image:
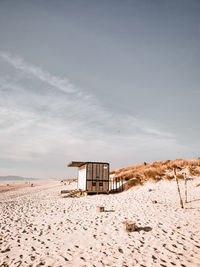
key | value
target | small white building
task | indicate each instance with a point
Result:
(92, 176)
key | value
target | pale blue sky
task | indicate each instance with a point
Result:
(114, 81)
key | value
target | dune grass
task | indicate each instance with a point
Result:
(156, 171)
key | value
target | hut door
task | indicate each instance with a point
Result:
(101, 183)
(95, 177)
(98, 177)
(90, 182)
(92, 177)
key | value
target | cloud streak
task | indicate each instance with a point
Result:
(77, 107)
(61, 84)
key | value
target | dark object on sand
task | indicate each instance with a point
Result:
(100, 208)
(130, 226)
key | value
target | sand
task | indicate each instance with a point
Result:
(40, 228)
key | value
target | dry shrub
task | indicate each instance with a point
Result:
(195, 162)
(169, 168)
(169, 177)
(178, 163)
(153, 173)
(150, 173)
(174, 166)
(193, 171)
(131, 183)
(166, 162)
(139, 177)
(180, 176)
(127, 175)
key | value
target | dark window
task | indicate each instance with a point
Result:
(100, 184)
(93, 184)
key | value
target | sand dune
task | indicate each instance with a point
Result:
(39, 228)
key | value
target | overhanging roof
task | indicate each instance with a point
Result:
(80, 163)
(76, 163)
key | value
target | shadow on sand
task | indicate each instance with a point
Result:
(146, 229)
(193, 200)
(109, 210)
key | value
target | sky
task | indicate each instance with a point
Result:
(112, 81)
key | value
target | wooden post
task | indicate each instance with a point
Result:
(185, 178)
(178, 188)
(100, 209)
(130, 226)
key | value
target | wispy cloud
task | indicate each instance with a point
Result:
(79, 107)
(62, 84)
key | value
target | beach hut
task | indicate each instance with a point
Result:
(93, 177)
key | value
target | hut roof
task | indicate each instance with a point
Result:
(80, 163)
(76, 163)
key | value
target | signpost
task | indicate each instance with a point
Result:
(178, 188)
(185, 178)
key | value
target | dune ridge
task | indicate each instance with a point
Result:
(156, 171)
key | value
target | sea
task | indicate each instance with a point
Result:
(17, 180)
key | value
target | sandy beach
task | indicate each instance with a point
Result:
(40, 228)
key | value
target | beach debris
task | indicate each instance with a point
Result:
(31, 185)
(100, 208)
(197, 185)
(154, 201)
(120, 250)
(130, 226)
(32, 257)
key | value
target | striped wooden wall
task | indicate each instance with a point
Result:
(97, 177)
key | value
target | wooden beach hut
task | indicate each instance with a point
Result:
(93, 177)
